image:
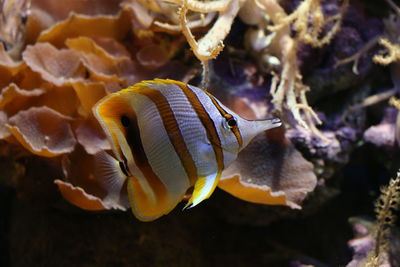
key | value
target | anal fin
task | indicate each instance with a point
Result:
(143, 206)
(203, 189)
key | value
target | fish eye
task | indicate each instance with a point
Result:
(231, 122)
(125, 121)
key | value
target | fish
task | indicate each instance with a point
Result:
(168, 137)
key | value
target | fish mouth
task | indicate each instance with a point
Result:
(276, 122)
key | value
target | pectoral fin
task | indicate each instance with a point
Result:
(111, 177)
(203, 189)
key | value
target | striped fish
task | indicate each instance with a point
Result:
(167, 137)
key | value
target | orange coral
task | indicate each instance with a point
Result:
(8, 68)
(92, 26)
(67, 66)
(80, 186)
(13, 99)
(269, 170)
(59, 67)
(43, 131)
(79, 197)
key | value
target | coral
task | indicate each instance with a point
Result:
(310, 22)
(285, 179)
(389, 40)
(70, 60)
(46, 98)
(13, 16)
(376, 244)
(393, 53)
(287, 88)
(385, 208)
(50, 135)
(383, 134)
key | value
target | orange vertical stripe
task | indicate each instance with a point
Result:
(133, 137)
(234, 129)
(208, 124)
(172, 128)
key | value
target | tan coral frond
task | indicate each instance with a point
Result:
(4, 132)
(77, 196)
(310, 31)
(13, 99)
(88, 94)
(152, 56)
(116, 27)
(58, 67)
(99, 63)
(81, 187)
(393, 53)
(9, 69)
(43, 131)
(91, 136)
(142, 16)
(284, 179)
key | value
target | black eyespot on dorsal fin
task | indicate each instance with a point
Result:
(125, 121)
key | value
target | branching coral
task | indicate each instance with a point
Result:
(385, 207)
(202, 14)
(393, 53)
(287, 89)
(209, 46)
(376, 243)
(389, 40)
(310, 23)
(312, 26)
